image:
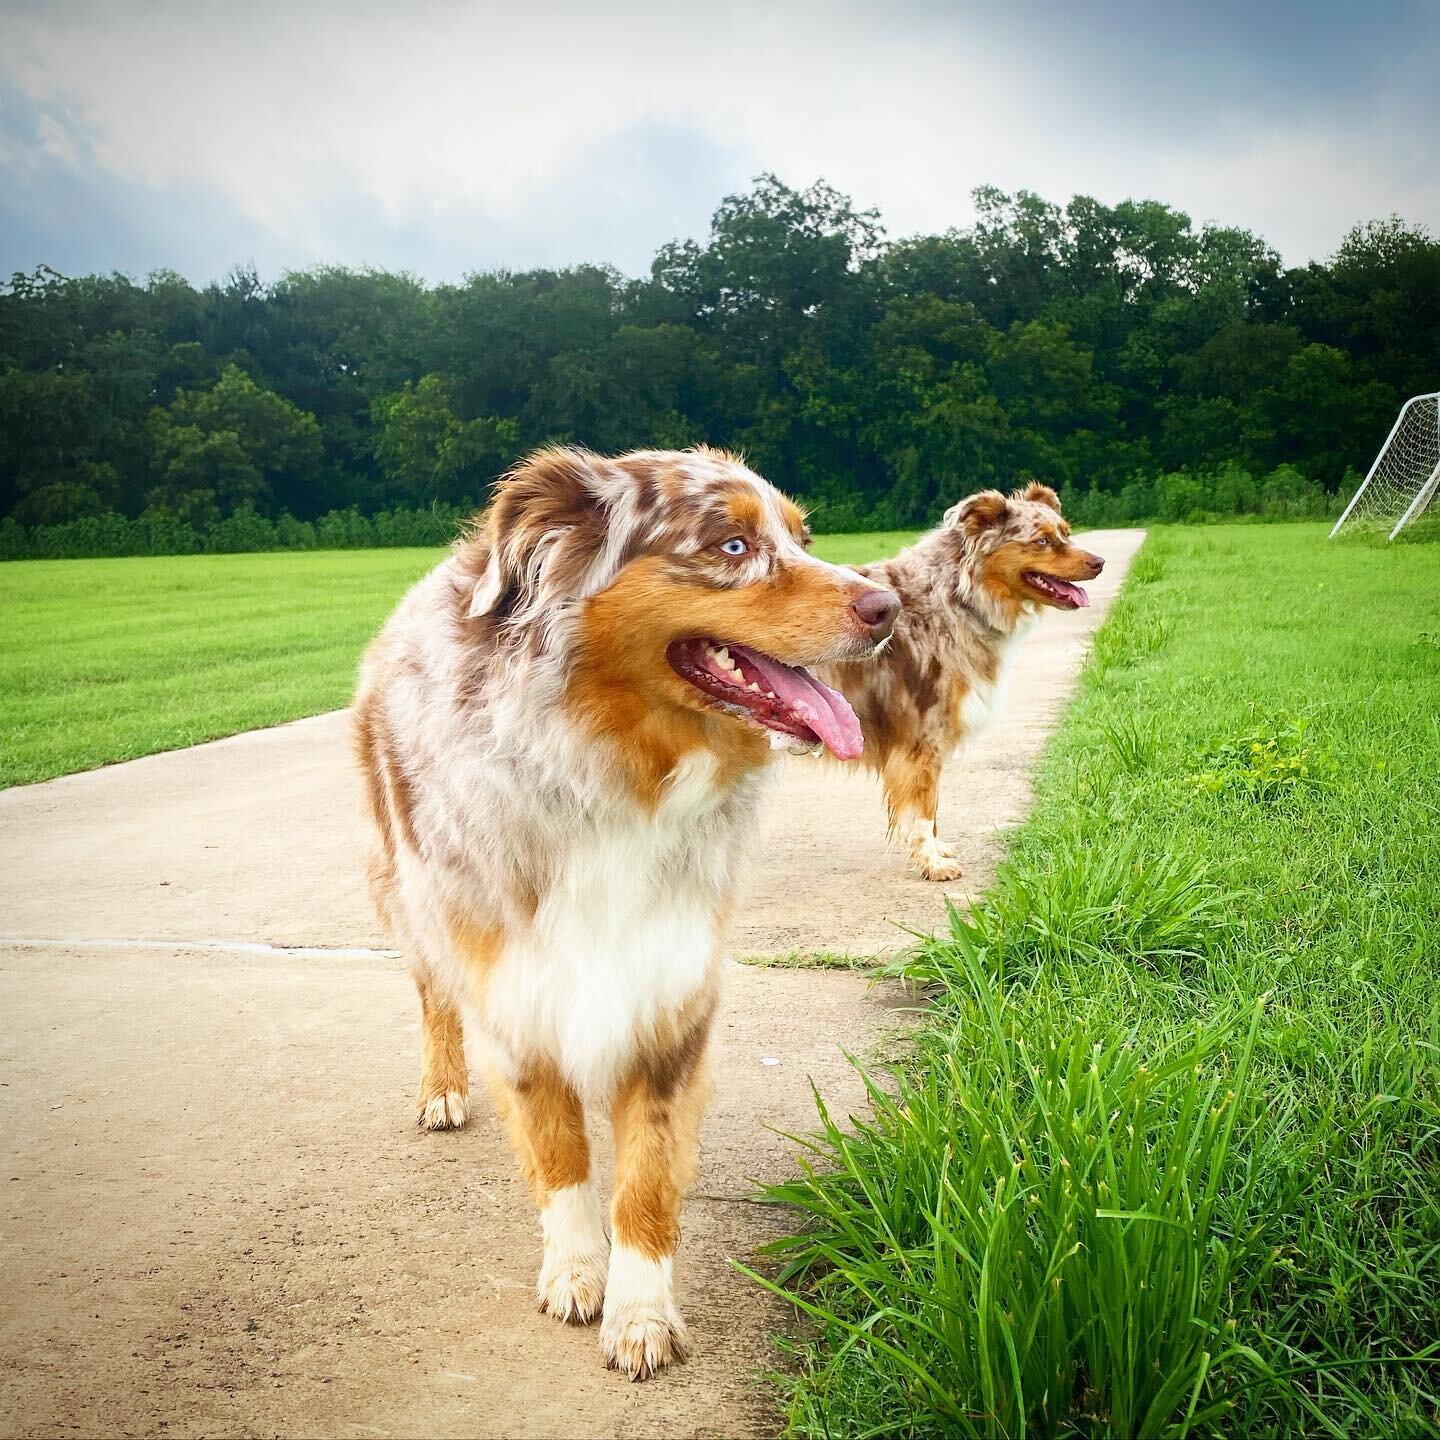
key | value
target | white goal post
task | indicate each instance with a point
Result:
(1406, 472)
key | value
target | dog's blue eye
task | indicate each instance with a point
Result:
(735, 546)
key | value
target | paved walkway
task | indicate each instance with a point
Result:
(220, 1218)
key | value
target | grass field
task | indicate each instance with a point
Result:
(104, 660)
(1165, 1161)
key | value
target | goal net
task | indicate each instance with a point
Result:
(1406, 472)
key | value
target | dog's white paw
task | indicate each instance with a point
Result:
(941, 870)
(642, 1331)
(936, 861)
(577, 1255)
(572, 1285)
(639, 1340)
(443, 1112)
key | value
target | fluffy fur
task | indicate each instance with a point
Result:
(561, 815)
(969, 590)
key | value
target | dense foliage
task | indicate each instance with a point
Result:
(1096, 347)
(244, 530)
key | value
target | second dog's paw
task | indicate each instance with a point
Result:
(443, 1112)
(935, 861)
(639, 1340)
(572, 1285)
(941, 870)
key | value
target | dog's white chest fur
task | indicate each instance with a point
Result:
(624, 935)
(984, 702)
(982, 705)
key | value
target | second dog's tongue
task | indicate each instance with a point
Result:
(824, 710)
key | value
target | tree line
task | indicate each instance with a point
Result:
(1111, 350)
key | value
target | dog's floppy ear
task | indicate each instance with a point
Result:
(489, 588)
(541, 535)
(978, 512)
(1040, 494)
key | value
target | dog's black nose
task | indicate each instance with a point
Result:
(877, 610)
(1096, 564)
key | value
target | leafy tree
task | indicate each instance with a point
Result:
(1115, 349)
(51, 435)
(234, 444)
(429, 453)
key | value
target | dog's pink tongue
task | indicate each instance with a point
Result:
(1074, 592)
(824, 710)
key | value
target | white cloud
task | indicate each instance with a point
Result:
(56, 141)
(439, 115)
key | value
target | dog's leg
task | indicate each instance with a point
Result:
(657, 1125)
(444, 1079)
(546, 1124)
(912, 798)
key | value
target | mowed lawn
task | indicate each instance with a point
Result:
(105, 660)
(1166, 1161)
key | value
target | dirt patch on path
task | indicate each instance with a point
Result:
(219, 1219)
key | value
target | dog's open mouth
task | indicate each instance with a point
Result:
(1065, 593)
(786, 698)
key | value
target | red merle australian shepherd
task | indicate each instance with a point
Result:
(564, 731)
(970, 589)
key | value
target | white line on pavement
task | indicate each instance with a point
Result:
(235, 947)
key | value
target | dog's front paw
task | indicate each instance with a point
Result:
(572, 1285)
(642, 1331)
(443, 1112)
(641, 1340)
(936, 861)
(577, 1255)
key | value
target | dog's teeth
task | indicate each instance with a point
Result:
(723, 656)
(754, 687)
(769, 694)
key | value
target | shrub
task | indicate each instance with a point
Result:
(245, 529)
(847, 514)
(293, 534)
(1180, 496)
(1288, 495)
(1203, 496)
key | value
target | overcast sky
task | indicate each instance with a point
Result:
(443, 136)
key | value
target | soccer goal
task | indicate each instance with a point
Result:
(1406, 472)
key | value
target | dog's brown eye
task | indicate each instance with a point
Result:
(735, 546)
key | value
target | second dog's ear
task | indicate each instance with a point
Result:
(1039, 494)
(978, 512)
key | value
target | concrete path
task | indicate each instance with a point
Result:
(219, 1217)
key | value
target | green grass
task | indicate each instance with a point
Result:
(1165, 1160)
(812, 960)
(104, 660)
(860, 548)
